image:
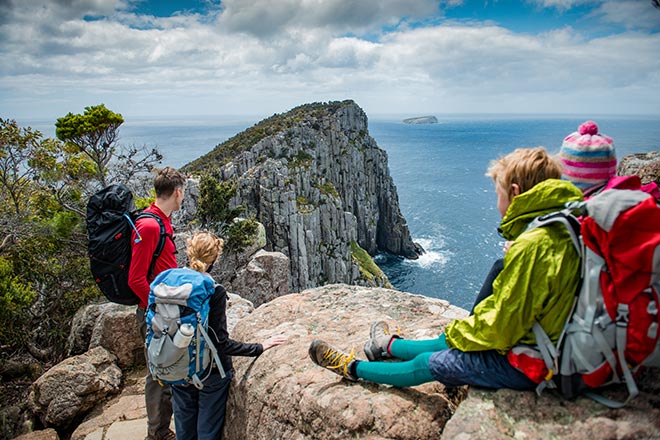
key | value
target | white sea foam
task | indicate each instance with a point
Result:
(434, 255)
(431, 258)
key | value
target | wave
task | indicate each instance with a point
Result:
(435, 256)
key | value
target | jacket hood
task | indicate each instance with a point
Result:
(545, 197)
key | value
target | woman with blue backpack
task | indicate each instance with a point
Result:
(199, 413)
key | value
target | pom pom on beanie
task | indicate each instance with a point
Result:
(588, 127)
(587, 157)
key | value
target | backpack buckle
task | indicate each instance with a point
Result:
(622, 315)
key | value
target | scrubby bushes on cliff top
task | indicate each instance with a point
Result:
(43, 252)
(277, 123)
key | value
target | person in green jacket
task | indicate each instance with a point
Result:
(537, 284)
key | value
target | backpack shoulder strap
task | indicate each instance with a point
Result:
(161, 240)
(548, 350)
(564, 217)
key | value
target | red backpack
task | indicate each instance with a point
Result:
(613, 329)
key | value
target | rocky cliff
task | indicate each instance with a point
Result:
(321, 186)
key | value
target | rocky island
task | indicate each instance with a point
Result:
(421, 120)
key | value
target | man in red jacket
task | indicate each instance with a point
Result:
(170, 186)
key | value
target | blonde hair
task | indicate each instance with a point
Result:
(525, 167)
(202, 250)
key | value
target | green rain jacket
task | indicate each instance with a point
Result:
(538, 282)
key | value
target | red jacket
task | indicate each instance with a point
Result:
(144, 250)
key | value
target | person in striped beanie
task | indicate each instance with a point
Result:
(587, 158)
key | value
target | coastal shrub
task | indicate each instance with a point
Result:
(45, 184)
(278, 123)
(240, 234)
(300, 159)
(214, 208)
(329, 189)
(368, 268)
(16, 296)
(214, 211)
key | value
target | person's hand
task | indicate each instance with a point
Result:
(273, 341)
(507, 245)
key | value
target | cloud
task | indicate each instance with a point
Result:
(262, 19)
(633, 14)
(59, 62)
(563, 5)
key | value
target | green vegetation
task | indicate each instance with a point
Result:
(301, 159)
(15, 298)
(215, 212)
(277, 123)
(91, 134)
(240, 234)
(214, 209)
(303, 205)
(45, 185)
(328, 188)
(368, 268)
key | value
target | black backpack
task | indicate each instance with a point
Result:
(111, 217)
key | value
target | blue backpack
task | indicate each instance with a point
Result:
(179, 349)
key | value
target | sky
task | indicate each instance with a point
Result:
(260, 57)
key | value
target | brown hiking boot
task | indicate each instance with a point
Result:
(332, 359)
(379, 341)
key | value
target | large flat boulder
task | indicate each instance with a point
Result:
(282, 394)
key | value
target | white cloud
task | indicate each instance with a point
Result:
(633, 14)
(265, 18)
(187, 64)
(563, 5)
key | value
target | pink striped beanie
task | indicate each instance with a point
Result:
(587, 158)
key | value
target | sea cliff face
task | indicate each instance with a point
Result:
(319, 184)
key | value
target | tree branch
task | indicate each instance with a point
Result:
(6, 241)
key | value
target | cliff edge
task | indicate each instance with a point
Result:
(321, 186)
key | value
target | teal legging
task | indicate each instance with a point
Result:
(414, 370)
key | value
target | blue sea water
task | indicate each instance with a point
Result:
(439, 171)
(449, 203)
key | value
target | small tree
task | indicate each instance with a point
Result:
(214, 210)
(214, 202)
(17, 146)
(88, 158)
(92, 134)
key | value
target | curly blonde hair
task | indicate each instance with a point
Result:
(202, 250)
(525, 167)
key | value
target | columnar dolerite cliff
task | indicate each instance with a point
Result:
(319, 183)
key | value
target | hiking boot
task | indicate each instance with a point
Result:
(334, 360)
(164, 435)
(379, 342)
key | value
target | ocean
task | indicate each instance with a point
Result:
(438, 169)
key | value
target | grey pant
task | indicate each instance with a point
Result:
(158, 397)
